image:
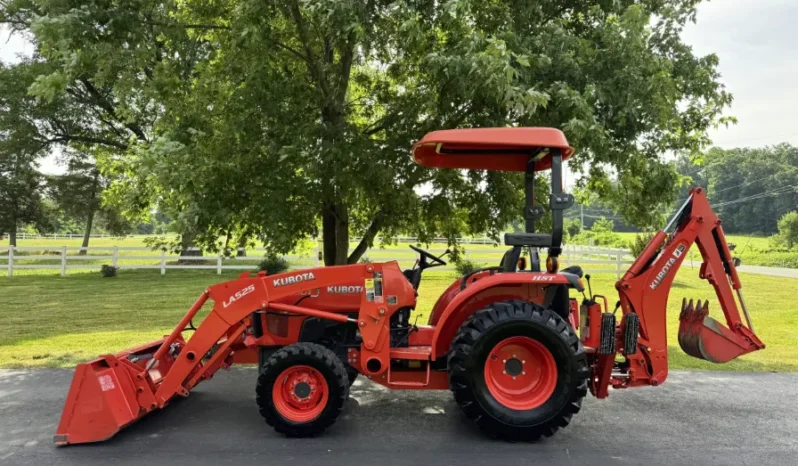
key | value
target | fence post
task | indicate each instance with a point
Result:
(163, 262)
(115, 260)
(567, 256)
(618, 266)
(316, 254)
(63, 261)
(10, 261)
(219, 264)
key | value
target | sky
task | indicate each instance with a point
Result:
(756, 42)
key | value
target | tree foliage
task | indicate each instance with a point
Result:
(749, 188)
(283, 119)
(78, 194)
(788, 229)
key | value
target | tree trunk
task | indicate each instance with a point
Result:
(93, 204)
(12, 237)
(367, 240)
(87, 233)
(241, 249)
(186, 243)
(335, 233)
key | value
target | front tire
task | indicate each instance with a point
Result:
(518, 370)
(302, 389)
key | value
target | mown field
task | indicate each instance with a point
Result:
(51, 321)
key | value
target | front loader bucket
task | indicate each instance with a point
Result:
(100, 402)
(705, 338)
(108, 394)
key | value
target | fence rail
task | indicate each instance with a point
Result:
(64, 258)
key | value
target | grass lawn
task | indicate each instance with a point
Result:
(752, 250)
(51, 321)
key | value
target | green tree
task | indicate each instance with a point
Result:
(78, 193)
(788, 229)
(20, 194)
(282, 119)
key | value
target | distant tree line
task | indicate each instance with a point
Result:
(751, 189)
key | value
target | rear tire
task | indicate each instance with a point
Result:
(351, 374)
(525, 397)
(301, 389)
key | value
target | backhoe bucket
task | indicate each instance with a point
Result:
(108, 394)
(705, 338)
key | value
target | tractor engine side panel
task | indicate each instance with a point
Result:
(282, 328)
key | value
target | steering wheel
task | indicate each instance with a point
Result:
(428, 255)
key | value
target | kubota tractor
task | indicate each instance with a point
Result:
(517, 352)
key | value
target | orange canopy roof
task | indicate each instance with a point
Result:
(503, 149)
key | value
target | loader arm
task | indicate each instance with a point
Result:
(645, 287)
(114, 391)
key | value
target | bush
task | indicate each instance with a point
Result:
(573, 227)
(273, 264)
(639, 243)
(365, 260)
(108, 270)
(466, 266)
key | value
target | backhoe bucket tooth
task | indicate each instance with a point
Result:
(705, 338)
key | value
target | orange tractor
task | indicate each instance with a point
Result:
(516, 350)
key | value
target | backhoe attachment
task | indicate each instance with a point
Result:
(645, 287)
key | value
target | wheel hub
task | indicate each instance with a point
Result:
(302, 390)
(520, 373)
(300, 393)
(513, 367)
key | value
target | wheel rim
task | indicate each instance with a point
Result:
(300, 393)
(520, 373)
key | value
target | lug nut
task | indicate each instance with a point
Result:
(504, 372)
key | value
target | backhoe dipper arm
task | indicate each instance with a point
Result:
(645, 287)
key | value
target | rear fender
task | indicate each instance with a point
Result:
(444, 300)
(500, 287)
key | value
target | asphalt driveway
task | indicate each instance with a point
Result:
(696, 418)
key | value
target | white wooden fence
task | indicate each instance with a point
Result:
(64, 258)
